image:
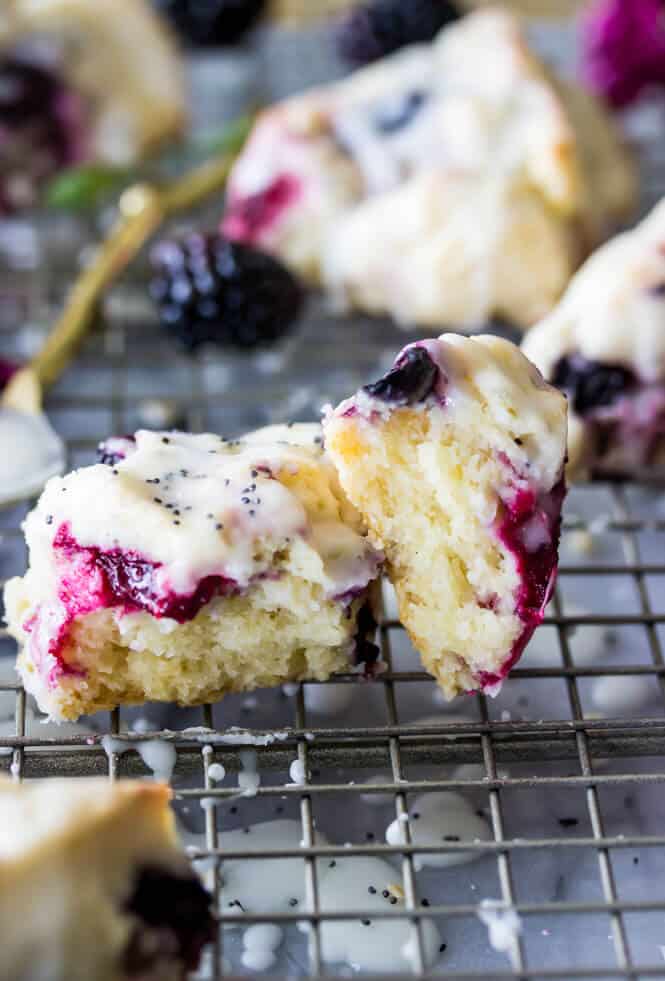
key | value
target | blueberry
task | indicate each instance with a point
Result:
(378, 27)
(410, 381)
(590, 384)
(177, 907)
(398, 113)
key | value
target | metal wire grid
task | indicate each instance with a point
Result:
(102, 391)
(399, 745)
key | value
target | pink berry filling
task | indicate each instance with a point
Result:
(530, 528)
(91, 578)
(248, 219)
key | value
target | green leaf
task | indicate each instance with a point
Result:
(229, 139)
(82, 187)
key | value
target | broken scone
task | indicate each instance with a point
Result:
(604, 346)
(442, 185)
(93, 884)
(82, 81)
(455, 461)
(188, 566)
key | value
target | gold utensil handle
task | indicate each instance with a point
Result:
(142, 210)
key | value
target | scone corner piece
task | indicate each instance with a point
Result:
(186, 567)
(93, 880)
(604, 346)
(455, 461)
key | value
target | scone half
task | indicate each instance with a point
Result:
(455, 461)
(187, 567)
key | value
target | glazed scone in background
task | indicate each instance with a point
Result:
(193, 567)
(455, 461)
(119, 55)
(80, 862)
(442, 185)
(604, 345)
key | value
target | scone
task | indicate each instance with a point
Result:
(188, 567)
(82, 80)
(93, 884)
(604, 346)
(442, 185)
(455, 461)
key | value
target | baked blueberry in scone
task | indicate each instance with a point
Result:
(455, 461)
(106, 87)
(441, 185)
(93, 884)
(604, 346)
(190, 567)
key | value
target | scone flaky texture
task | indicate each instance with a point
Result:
(71, 854)
(193, 567)
(441, 185)
(120, 56)
(604, 345)
(455, 459)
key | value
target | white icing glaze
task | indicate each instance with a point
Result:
(621, 694)
(158, 755)
(249, 778)
(380, 944)
(31, 452)
(216, 772)
(297, 772)
(264, 887)
(503, 923)
(211, 483)
(260, 943)
(440, 816)
(329, 698)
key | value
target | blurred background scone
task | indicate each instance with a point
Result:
(93, 884)
(604, 346)
(81, 81)
(442, 185)
(455, 461)
(186, 567)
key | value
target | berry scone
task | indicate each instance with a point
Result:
(455, 461)
(186, 567)
(93, 884)
(81, 81)
(604, 346)
(442, 185)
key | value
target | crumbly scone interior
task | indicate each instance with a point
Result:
(421, 487)
(284, 630)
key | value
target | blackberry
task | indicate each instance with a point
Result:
(208, 23)
(410, 381)
(377, 28)
(41, 124)
(210, 290)
(590, 384)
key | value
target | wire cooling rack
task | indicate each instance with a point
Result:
(568, 774)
